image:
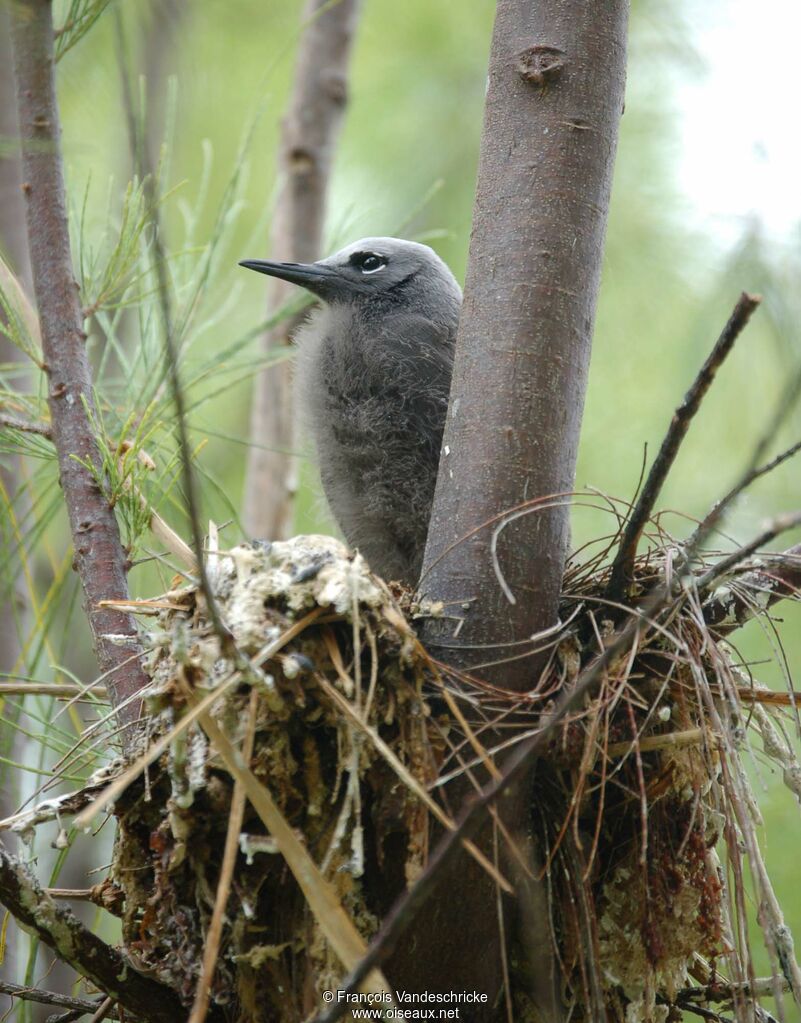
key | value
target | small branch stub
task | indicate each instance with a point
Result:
(540, 65)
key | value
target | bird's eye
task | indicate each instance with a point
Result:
(368, 262)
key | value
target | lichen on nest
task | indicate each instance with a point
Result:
(638, 792)
(325, 775)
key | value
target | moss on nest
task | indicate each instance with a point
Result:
(325, 775)
(639, 793)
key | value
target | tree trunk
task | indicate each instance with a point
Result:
(554, 101)
(99, 557)
(14, 248)
(311, 129)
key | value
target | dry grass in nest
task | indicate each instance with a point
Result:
(643, 821)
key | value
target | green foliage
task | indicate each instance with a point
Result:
(76, 21)
(18, 323)
(414, 119)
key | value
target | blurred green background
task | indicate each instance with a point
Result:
(217, 72)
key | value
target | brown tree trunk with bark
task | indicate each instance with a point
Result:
(554, 101)
(14, 249)
(99, 557)
(500, 524)
(310, 132)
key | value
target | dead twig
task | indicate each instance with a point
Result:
(414, 898)
(623, 565)
(710, 522)
(44, 997)
(81, 949)
(781, 524)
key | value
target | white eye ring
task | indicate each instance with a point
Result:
(370, 257)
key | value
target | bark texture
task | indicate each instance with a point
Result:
(554, 100)
(99, 557)
(85, 952)
(310, 132)
(14, 248)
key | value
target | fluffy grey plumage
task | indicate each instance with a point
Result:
(372, 378)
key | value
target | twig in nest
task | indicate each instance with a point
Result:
(623, 565)
(710, 522)
(214, 933)
(409, 904)
(781, 524)
(650, 743)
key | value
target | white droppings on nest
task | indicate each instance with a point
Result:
(302, 573)
(252, 583)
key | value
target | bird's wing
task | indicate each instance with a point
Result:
(424, 346)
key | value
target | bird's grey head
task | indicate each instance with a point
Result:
(382, 271)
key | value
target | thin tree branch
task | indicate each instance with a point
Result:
(408, 905)
(58, 928)
(310, 133)
(25, 426)
(99, 557)
(710, 522)
(44, 997)
(722, 568)
(731, 607)
(623, 565)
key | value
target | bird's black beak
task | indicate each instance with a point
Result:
(313, 276)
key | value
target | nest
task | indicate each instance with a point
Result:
(325, 774)
(641, 816)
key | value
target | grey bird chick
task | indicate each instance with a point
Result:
(372, 378)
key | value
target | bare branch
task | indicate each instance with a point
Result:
(730, 607)
(99, 557)
(23, 426)
(710, 522)
(44, 997)
(81, 949)
(722, 568)
(311, 130)
(623, 565)
(408, 906)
